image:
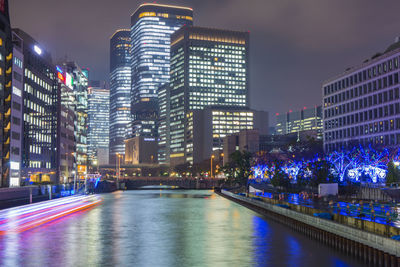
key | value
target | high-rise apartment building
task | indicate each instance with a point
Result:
(120, 91)
(6, 63)
(307, 119)
(98, 124)
(209, 67)
(362, 105)
(78, 81)
(151, 29)
(39, 112)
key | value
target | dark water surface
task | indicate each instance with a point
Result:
(166, 228)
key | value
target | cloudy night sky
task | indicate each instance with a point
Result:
(295, 45)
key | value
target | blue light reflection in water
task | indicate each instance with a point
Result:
(165, 228)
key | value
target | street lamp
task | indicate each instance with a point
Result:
(211, 171)
(119, 168)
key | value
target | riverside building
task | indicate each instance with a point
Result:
(39, 112)
(98, 124)
(209, 68)
(77, 80)
(120, 91)
(151, 29)
(362, 105)
(307, 119)
(16, 112)
(6, 64)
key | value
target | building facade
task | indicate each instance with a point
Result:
(39, 112)
(207, 128)
(209, 67)
(362, 105)
(16, 112)
(140, 150)
(98, 123)
(151, 28)
(163, 124)
(66, 123)
(306, 119)
(120, 91)
(77, 80)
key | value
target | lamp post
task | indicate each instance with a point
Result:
(211, 169)
(118, 168)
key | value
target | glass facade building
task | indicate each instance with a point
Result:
(98, 122)
(39, 112)
(151, 29)
(66, 128)
(5, 93)
(209, 67)
(307, 119)
(78, 81)
(120, 89)
(362, 105)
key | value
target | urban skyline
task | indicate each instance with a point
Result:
(277, 49)
(177, 138)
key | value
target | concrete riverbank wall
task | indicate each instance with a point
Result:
(364, 225)
(370, 248)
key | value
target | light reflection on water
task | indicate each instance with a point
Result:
(165, 228)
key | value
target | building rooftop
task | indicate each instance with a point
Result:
(391, 50)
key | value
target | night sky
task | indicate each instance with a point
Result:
(295, 45)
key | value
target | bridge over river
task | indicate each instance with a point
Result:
(184, 183)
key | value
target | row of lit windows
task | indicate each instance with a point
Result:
(365, 102)
(389, 139)
(37, 80)
(388, 110)
(216, 38)
(29, 89)
(363, 75)
(371, 128)
(362, 90)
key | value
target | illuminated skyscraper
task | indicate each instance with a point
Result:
(66, 127)
(209, 68)
(151, 28)
(39, 112)
(5, 92)
(120, 88)
(79, 83)
(98, 123)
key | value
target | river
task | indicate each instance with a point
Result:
(166, 228)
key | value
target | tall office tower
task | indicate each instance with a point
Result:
(66, 119)
(362, 105)
(5, 93)
(120, 91)
(209, 67)
(151, 28)
(98, 126)
(79, 82)
(163, 124)
(39, 112)
(307, 119)
(16, 111)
